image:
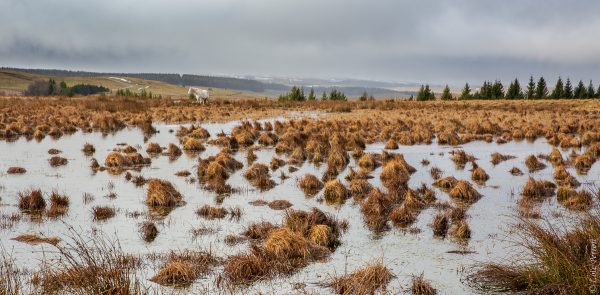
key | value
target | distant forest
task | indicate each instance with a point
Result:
(176, 79)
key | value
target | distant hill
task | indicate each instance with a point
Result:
(175, 79)
(173, 82)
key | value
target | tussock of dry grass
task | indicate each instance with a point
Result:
(479, 175)
(280, 204)
(259, 230)
(57, 161)
(498, 158)
(148, 231)
(258, 175)
(182, 269)
(310, 184)
(59, 205)
(103, 212)
(31, 201)
(557, 261)
(88, 149)
(515, 171)
(161, 193)
(574, 200)
(446, 183)
(440, 225)
(335, 192)
(154, 148)
(16, 170)
(420, 286)
(34, 239)
(464, 192)
(370, 279)
(533, 164)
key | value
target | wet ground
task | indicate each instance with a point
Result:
(406, 254)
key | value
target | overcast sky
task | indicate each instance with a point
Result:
(421, 41)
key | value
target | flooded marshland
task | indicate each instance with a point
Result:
(331, 197)
(413, 248)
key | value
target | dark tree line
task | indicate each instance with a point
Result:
(533, 90)
(51, 88)
(297, 94)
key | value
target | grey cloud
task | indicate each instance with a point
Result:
(424, 41)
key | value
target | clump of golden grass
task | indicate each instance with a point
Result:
(276, 163)
(460, 158)
(478, 174)
(128, 149)
(402, 217)
(310, 184)
(259, 230)
(258, 202)
(173, 151)
(440, 224)
(391, 145)
(258, 175)
(450, 138)
(368, 161)
(413, 201)
(57, 161)
(193, 144)
(446, 183)
(59, 204)
(460, 230)
(148, 231)
(537, 190)
(558, 261)
(251, 156)
(376, 209)
(583, 163)
(560, 173)
(211, 212)
(88, 149)
(497, 158)
(32, 201)
(162, 193)
(533, 164)
(285, 243)
(420, 286)
(182, 269)
(360, 188)
(268, 139)
(280, 204)
(515, 171)
(435, 172)
(335, 192)
(394, 174)
(16, 170)
(464, 192)
(183, 173)
(35, 239)
(574, 200)
(370, 279)
(555, 157)
(102, 212)
(154, 148)
(310, 225)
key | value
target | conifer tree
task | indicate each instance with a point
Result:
(559, 91)
(446, 95)
(541, 90)
(531, 88)
(466, 92)
(591, 92)
(580, 91)
(568, 89)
